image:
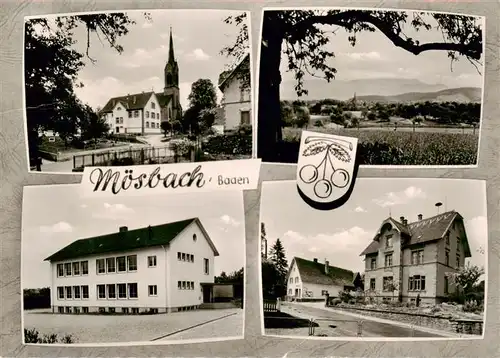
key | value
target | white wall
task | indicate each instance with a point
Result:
(148, 117)
(144, 276)
(188, 271)
(134, 124)
(233, 104)
(294, 281)
(316, 289)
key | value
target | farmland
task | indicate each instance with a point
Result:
(401, 147)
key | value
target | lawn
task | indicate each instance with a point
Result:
(384, 147)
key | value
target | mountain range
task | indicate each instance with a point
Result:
(381, 90)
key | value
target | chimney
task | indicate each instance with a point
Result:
(402, 219)
(419, 217)
(405, 222)
(315, 260)
(123, 229)
(326, 267)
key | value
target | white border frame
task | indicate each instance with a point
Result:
(269, 183)
(253, 117)
(375, 166)
(136, 343)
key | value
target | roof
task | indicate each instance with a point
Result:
(127, 240)
(163, 99)
(130, 101)
(225, 76)
(314, 272)
(426, 230)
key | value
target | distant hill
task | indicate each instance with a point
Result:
(380, 89)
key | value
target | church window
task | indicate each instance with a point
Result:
(147, 114)
(153, 105)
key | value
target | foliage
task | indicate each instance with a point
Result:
(182, 147)
(36, 298)
(33, 336)
(52, 66)
(233, 277)
(92, 125)
(278, 257)
(203, 94)
(166, 127)
(345, 296)
(467, 277)
(472, 306)
(232, 144)
(272, 286)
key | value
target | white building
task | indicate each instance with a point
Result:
(312, 280)
(154, 269)
(138, 113)
(236, 99)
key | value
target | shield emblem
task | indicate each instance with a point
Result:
(326, 169)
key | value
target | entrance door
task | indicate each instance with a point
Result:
(206, 294)
(117, 129)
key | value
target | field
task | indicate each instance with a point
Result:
(389, 147)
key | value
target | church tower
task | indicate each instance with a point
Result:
(171, 73)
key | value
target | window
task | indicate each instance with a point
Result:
(67, 269)
(372, 284)
(151, 261)
(85, 310)
(68, 309)
(179, 285)
(119, 108)
(101, 268)
(76, 291)
(85, 267)
(445, 284)
(417, 257)
(388, 260)
(206, 266)
(192, 258)
(157, 115)
(416, 283)
(153, 290)
(183, 257)
(324, 292)
(122, 290)
(373, 263)
(447, 258)
(129, 114)
(101, 291)
(121, 263)
(132, 290)
(147, 124)
(447, 239)
(68, 292)
(111, 291)
(183, 285)
(245, 118)
(60, 293)
(125, 310)
(102, 310)
(111, 310)
(388, 283)
(136, 114)
(296, 279)
(178, 256)
(76, 268)
(60, 309)
(388, 242)
(110, 264)
(117, 120)
(458, 244)
(60, 270)
(153, 105)
(147, 114)
(85, 291)
(132, 262)
(194, 237)
(290, 292)
(135, 311)
(458, 260)
(291, 280)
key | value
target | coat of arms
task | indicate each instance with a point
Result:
(326, 169)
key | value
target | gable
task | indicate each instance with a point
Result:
(227, 76)
(314, 272)
(130, 101)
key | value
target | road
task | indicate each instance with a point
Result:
(337, 324)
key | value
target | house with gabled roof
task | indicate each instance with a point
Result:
(405, 260)
(142, 113)
(236, 99)
(312, 280)
(154, 269)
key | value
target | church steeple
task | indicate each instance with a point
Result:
(171, 73)
(171, 56)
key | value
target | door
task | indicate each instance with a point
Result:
(117, 129)
(207, 294)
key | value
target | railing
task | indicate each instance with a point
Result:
(271, 306)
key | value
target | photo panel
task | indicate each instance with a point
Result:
(136, 87)
(131, 270)
(403, 259)
(408, 84)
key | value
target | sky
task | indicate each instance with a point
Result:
(340, 235)
(375, 56)
(47, 228)
(198, 36)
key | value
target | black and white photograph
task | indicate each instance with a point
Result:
(408, 84)
(132, 270)
(136, 87)
(401, 259)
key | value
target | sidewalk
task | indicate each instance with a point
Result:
(321, 305)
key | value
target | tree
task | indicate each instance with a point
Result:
(302, 116)
(277, 256)
(466, 278)
(92, 125)
(166, 127)
(270, 281)
(203, 94)
(51, 68)
(303, 36)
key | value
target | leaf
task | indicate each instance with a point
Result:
(314, 149)
(338, 152)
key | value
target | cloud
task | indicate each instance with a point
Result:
(359, 209)
(113, 211)
(477, 234)
(363, 56)
(398, 198)
(61, 226)
(147, 25)
(84, 206)
(198, 55)
(228, 220)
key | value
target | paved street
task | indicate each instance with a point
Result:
(338, 324)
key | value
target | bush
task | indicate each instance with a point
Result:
(336, 301)
(472, 306)
(233, 144)
(318, 123)
(33, 336)
(182, 147)
(345, 296)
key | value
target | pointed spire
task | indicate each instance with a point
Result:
(171, 56)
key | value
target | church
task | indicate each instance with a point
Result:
(142, 113)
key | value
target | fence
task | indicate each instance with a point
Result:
(271, 306)
(135, 156)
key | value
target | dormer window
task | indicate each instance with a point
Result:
(388, 242)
